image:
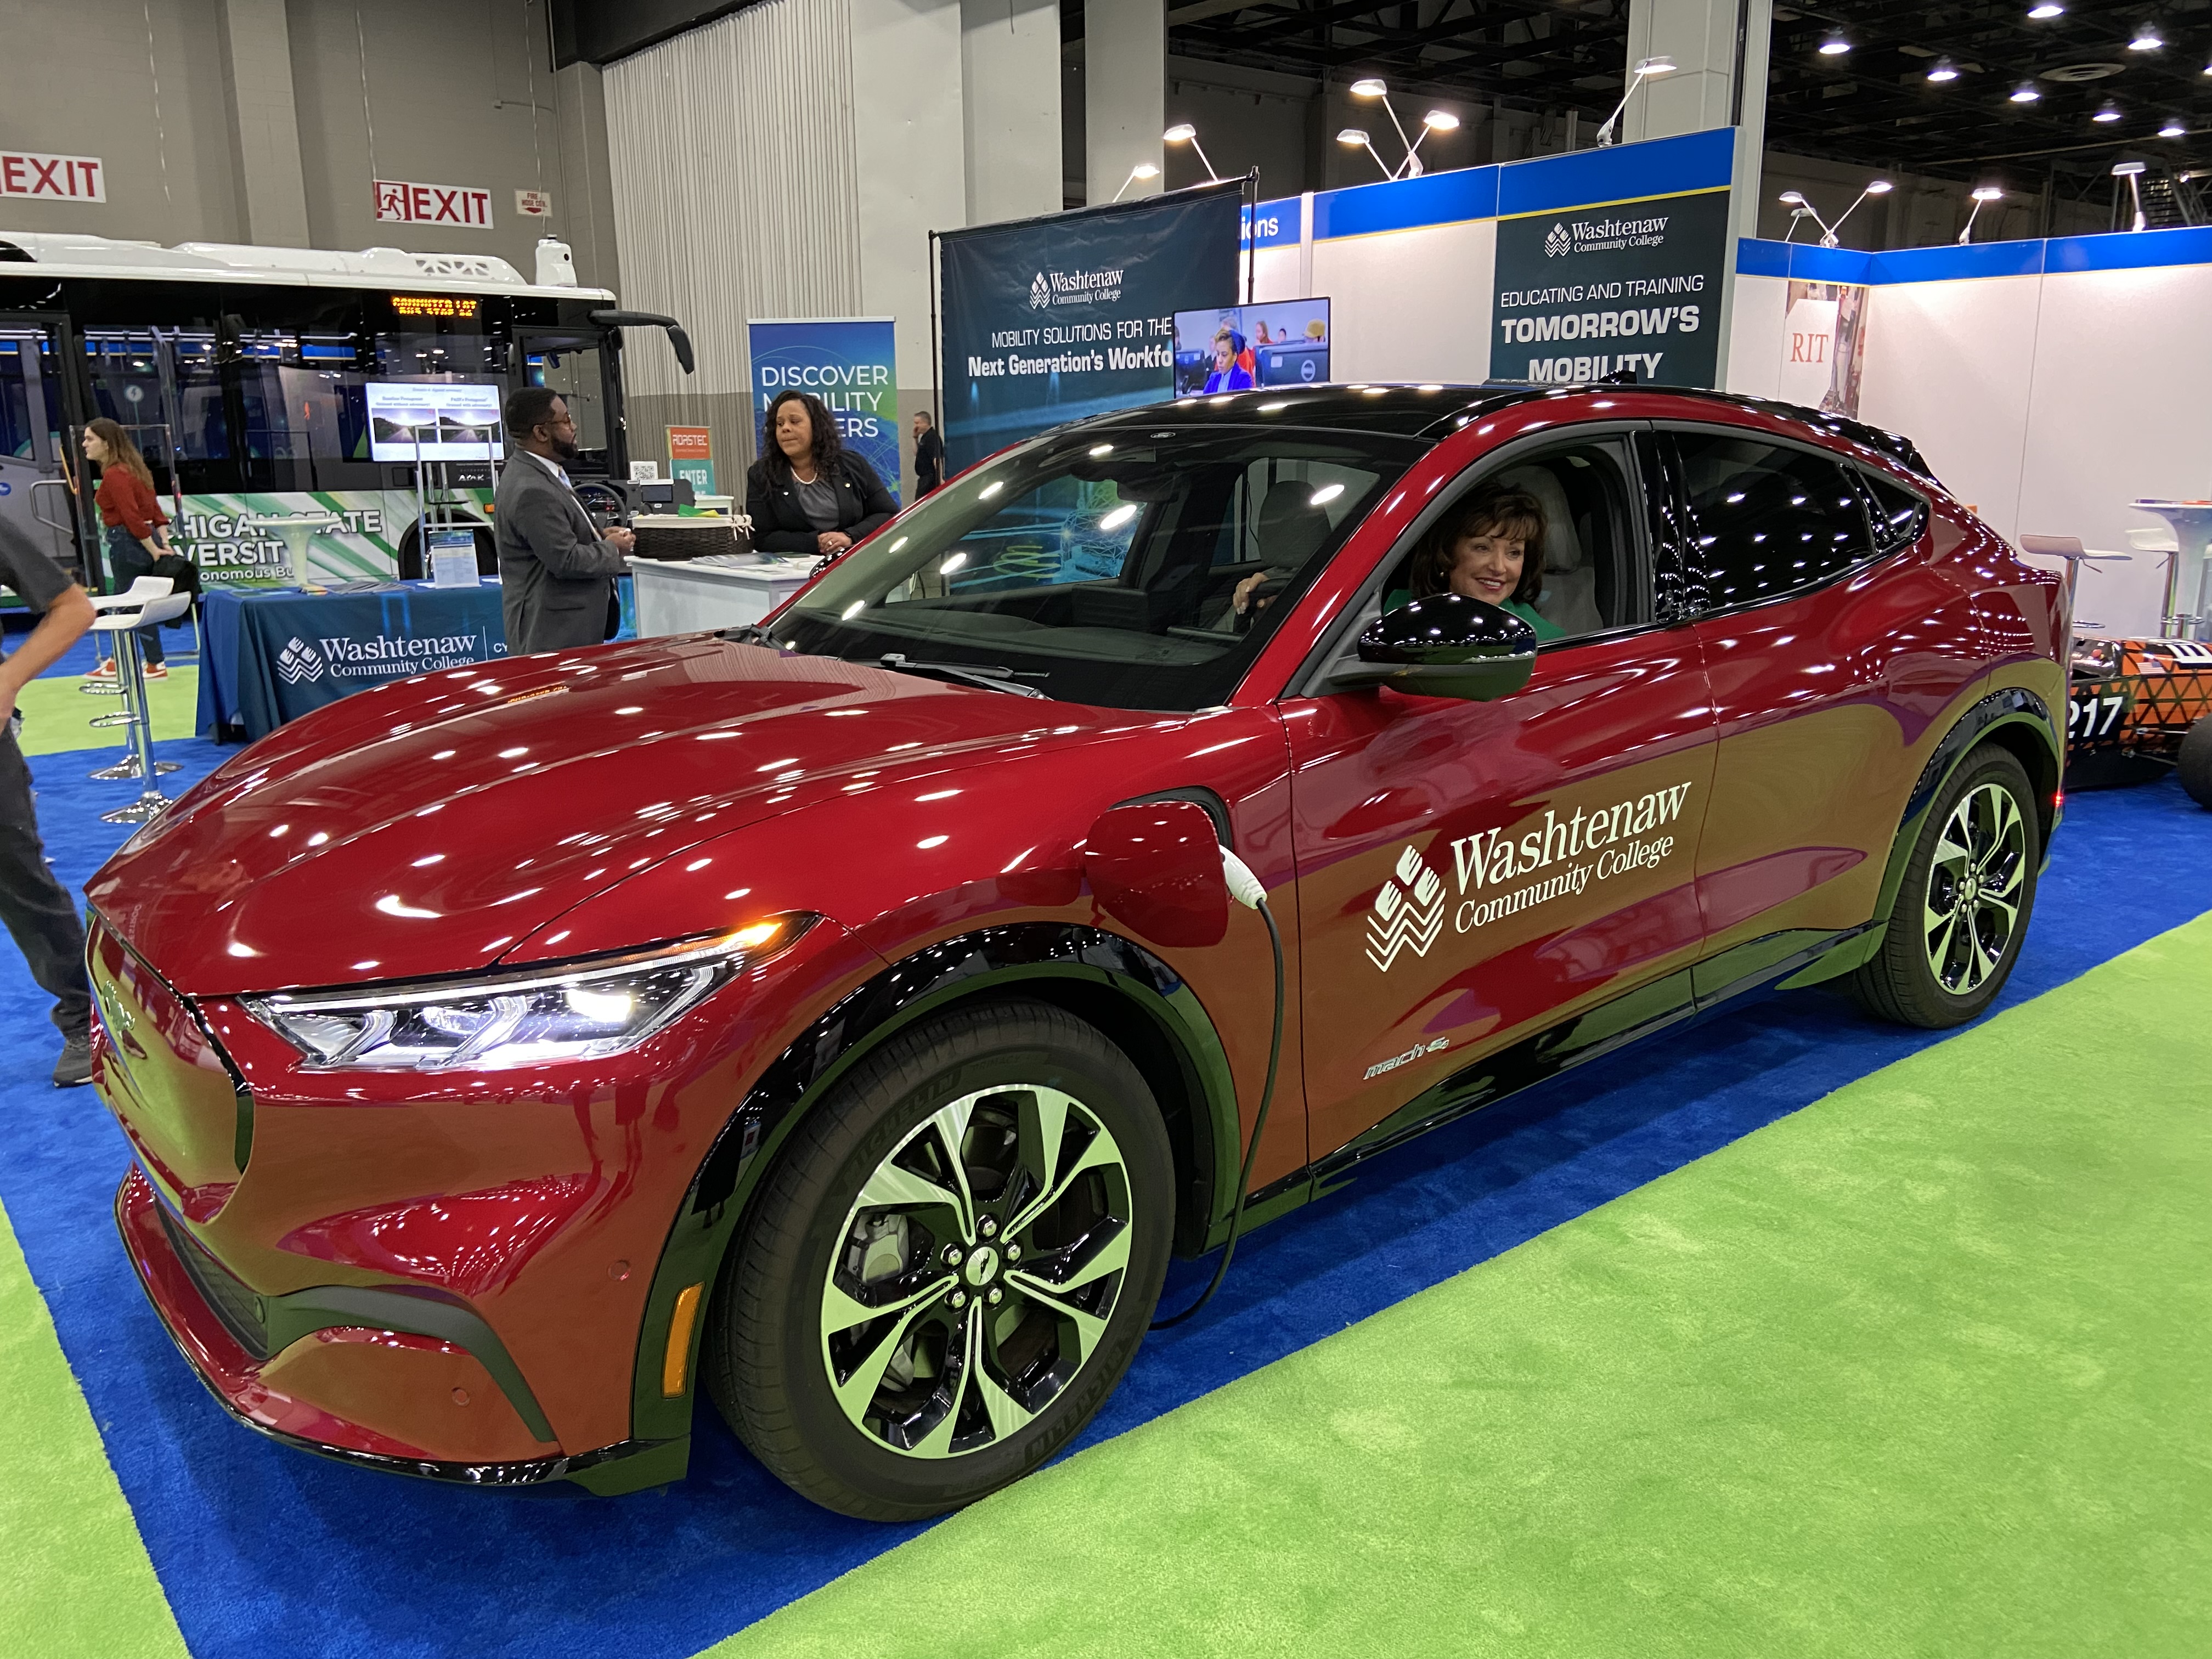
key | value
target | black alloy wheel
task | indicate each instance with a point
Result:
(950, 1265)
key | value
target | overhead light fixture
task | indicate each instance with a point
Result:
(2174, 128)
(1879, 187)
(1436, 120)
(2146, 38)
(1183, 133)
(1793, 197)
(2046, 10)
(2132, 172)
(1796, 214)
(1356, 138)
(2108, 110)
(1142, 170)
(1983, 195)
(1945, 70)
(2026, 93)
(1440, 120)
(1645, 69)
(1834, 45)
(1369, 87)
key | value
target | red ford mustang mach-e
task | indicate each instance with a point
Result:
(848, 1018)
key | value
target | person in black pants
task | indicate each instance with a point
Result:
(928, 456)
(808, 493)
(38, 909)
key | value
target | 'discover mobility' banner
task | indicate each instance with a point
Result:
(850, 363)
(1584, 292)
(1050, 320)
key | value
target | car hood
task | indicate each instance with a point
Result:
(427, 827)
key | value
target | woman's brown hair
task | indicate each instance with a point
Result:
(1512, 513)
(121, 452)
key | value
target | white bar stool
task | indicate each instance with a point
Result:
(149, 601)
(145, 588)
(151, 802)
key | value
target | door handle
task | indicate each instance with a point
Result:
(49, 484)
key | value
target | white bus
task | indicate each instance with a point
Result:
(263, 382)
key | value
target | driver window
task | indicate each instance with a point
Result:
(1557, 523)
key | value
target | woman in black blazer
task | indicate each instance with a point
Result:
(808, 493)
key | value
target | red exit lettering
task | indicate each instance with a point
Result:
(53, 178)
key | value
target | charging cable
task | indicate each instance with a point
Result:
(1244, 887)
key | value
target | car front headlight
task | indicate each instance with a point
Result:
(587, 1011)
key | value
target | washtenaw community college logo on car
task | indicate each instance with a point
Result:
(299, 662)
(1557, 242)
(1039, 293)
(1408, 913)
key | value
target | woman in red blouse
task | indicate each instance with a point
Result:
(138, 529)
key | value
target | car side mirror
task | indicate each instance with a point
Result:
(1444, 646)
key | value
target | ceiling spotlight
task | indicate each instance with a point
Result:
(2107, 111)
(1440, 120)
(1834, 46)
(1945, 70)
(2173, 128)
(1369, 87)
(2046, 10)
(2024, 93)
(2146, 36)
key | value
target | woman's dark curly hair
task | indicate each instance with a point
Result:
(828, 448)
(1509, 512)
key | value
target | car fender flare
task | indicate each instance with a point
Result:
(2015, 707)
(1043, 959)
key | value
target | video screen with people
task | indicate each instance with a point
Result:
(1238, 348)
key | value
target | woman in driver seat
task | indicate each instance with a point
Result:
(1489, 548)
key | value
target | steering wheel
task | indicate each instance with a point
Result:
(606, 503)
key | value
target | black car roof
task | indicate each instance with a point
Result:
(1435, 410)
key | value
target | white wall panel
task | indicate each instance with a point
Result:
(2121, 407)
(1756, 335)
(1949, 364)
(1412, 305)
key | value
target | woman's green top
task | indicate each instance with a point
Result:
(1546, 628)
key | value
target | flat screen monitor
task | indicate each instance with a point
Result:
(1235, 347)
(433, 421)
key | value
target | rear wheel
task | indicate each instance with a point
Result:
(951, 1267)
(2194, 764)
(1963, 907)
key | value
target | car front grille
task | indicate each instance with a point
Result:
(232, 1303)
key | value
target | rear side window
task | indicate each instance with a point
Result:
(1899, 515)
(1769, 520)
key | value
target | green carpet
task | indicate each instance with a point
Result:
(1923, 1369)
(55, 712)
(74, 1578)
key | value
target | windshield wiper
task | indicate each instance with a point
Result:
(989, 676)
(746, 633)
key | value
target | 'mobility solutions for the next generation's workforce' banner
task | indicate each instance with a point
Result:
(1050, 320)
(848, 363)
(1585, 292)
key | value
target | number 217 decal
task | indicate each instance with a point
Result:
(2092, 717)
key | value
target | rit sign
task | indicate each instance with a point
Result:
(434, 204)
(1808, 348)
(53, 178)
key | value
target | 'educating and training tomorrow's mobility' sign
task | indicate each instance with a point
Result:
(1050, 320)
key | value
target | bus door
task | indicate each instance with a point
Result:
(37, 507)
(576, 363)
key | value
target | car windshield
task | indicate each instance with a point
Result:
(1104, 566)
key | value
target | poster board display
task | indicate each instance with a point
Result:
(434, 420)
(1234, 347)
(850, 362)
(1051, 319)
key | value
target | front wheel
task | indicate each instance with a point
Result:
(1962, 909)
(951, 1265)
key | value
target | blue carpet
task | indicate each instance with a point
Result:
(264, 1550)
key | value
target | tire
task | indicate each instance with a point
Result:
(2193, 765)
(982, 1364)
(1963, 908)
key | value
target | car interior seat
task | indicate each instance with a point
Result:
(1570, 595)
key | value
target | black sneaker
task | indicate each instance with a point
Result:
(75, 1067)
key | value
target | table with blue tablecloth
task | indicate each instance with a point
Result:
(267, 658)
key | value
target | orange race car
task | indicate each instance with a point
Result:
(2136, 707)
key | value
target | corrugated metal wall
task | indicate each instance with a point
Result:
(736, 196)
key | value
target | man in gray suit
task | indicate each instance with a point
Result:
(556, 572)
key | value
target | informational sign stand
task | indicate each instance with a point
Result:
(691, 456)
(453, 558)
(848, 362)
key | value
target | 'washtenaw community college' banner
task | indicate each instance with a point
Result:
(1583, 293)
(848, 363)
(1050, 320)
